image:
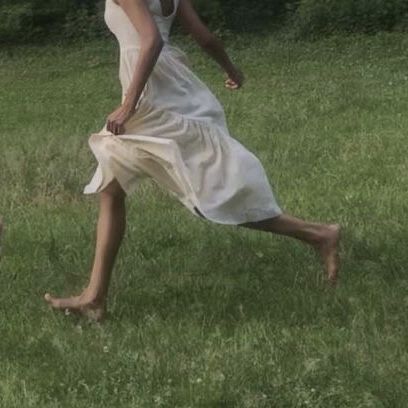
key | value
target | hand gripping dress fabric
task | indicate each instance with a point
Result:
(178, 136)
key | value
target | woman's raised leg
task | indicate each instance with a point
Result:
(323, 237)
(110, 230)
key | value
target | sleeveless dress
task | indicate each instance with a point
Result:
(178, 136)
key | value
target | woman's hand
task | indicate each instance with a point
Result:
(117, 119)
(235, 79)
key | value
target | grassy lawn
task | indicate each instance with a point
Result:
(203, 315)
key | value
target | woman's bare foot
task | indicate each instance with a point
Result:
(327, 247)
(82, 305)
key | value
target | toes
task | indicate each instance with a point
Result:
(68, 303)
(48, 298)
(333, 268)
(51, 301)
(329, 253)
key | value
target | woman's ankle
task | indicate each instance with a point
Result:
(91, 296)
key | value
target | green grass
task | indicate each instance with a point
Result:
(203, 315)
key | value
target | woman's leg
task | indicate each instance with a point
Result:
(110, 231)
(323, 237)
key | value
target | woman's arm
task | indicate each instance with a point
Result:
(151, 45)
(190, 20)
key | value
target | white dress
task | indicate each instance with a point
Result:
(178, 136)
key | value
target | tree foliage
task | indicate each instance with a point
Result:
(23, 20)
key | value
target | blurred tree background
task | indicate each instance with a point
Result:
(37, 20)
